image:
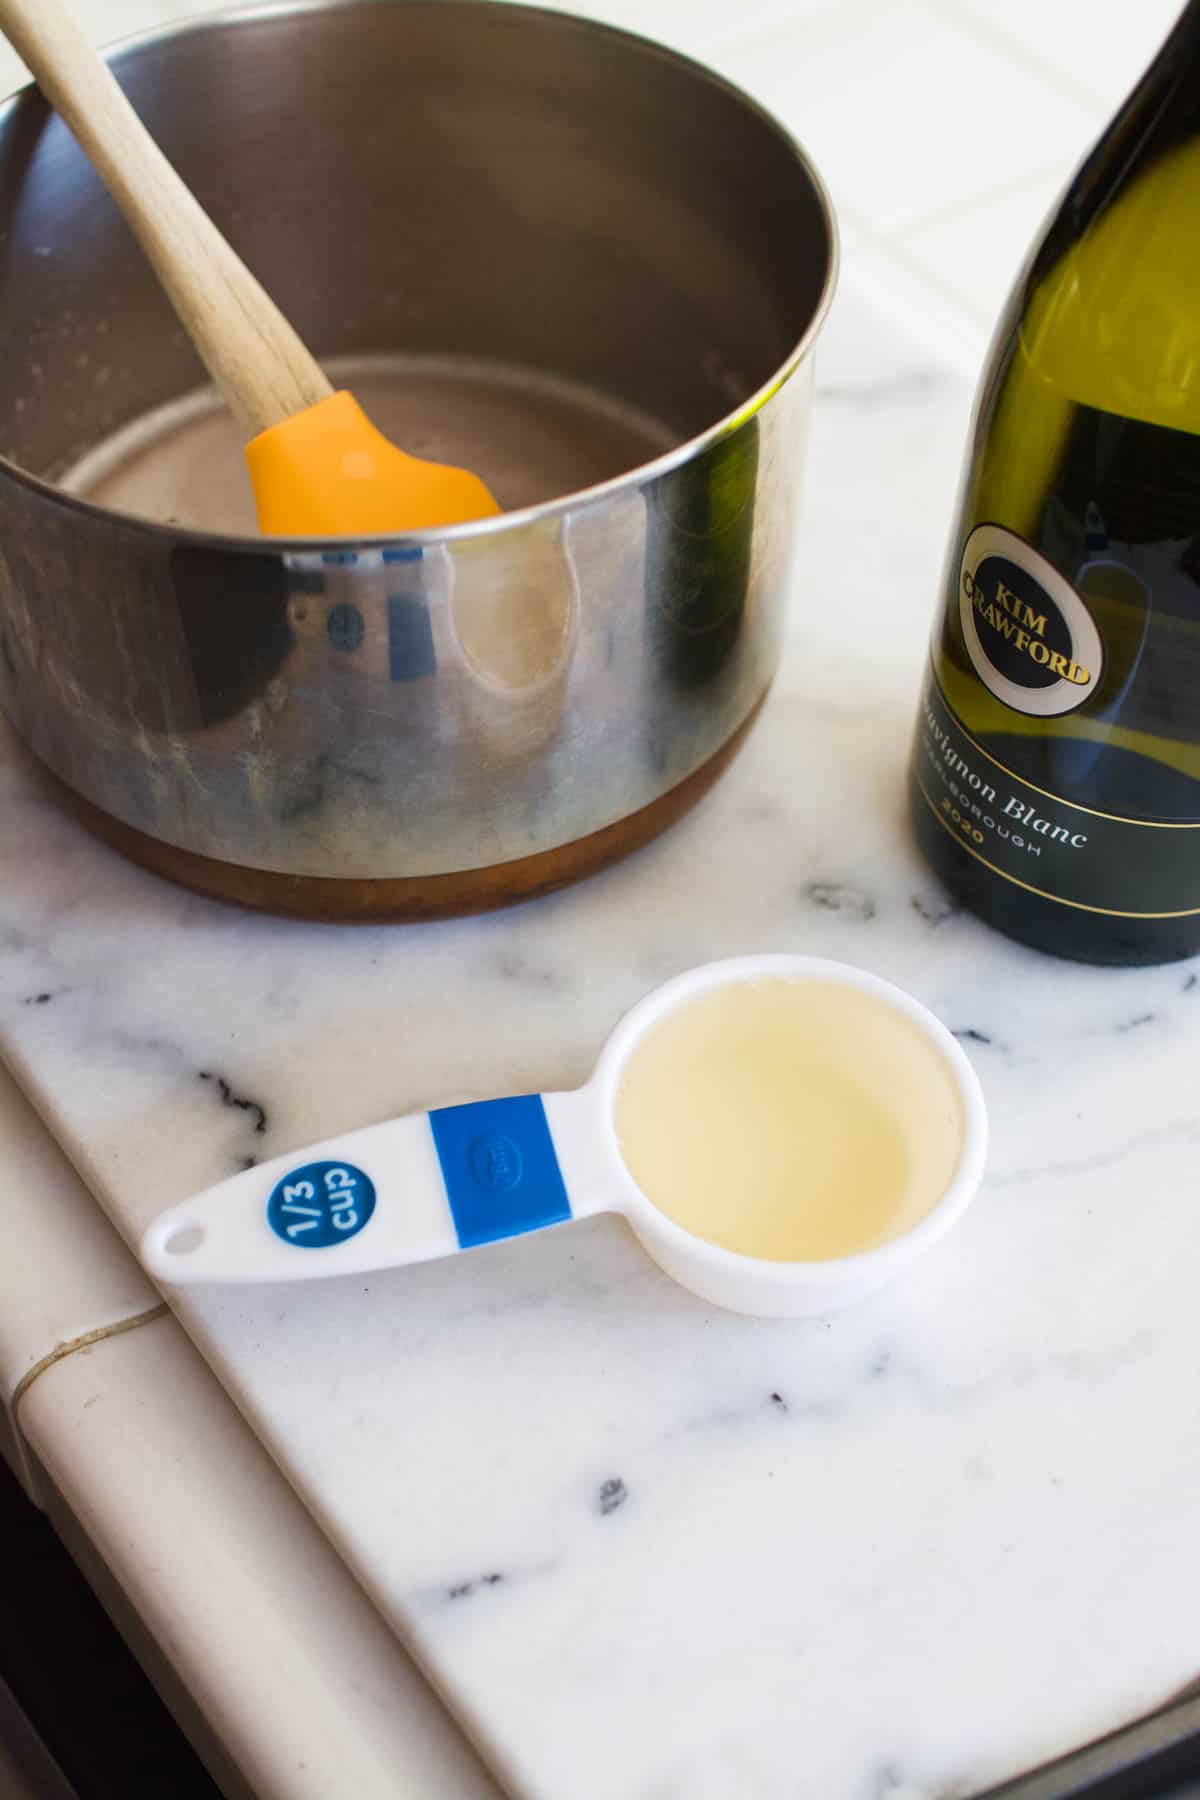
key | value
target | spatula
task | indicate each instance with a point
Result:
(317, 464)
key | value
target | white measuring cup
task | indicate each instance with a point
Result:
(431, 1184)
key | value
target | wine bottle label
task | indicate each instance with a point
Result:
(1031, 639)
(1095, 861)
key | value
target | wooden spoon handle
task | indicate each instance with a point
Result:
(252, 353)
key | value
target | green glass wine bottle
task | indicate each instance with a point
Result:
(1056, 767)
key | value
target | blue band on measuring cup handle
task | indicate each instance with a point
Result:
(501, 1173)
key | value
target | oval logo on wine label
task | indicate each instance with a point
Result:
(1032, 641)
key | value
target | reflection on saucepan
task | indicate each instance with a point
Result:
(513, 614)
(234, 618)
(700, 536)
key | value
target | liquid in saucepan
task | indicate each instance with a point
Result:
(532, 437)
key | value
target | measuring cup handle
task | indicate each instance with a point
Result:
(407, 1191)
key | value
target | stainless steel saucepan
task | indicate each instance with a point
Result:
(555, 252)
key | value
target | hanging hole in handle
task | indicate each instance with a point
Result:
(185, 1240)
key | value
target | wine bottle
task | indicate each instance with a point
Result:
(1056, 770)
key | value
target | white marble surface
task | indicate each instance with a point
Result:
(49, 1222)
(961, 1537)
(293, 1672)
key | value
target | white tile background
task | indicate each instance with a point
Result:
(945, 128)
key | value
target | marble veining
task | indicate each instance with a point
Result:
(647, 1550)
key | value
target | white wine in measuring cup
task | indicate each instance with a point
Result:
(795, 1120)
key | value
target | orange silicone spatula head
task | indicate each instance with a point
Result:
(318, 466)
(328, 472)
